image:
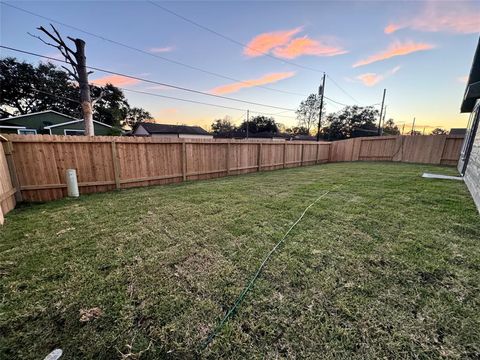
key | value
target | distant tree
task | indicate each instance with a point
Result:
(259, 124)
(297, 130)
(415, 133)
(134, 116)
(26, 88)
(351, 121)
(439, 131)
(390, 128)
(307, 112)
(222, 125)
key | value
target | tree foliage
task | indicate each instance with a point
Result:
(439, 131)
(351, 121)
(27, 88)
(223, 125)
(259, 124)
(390, 128)
(308, 111)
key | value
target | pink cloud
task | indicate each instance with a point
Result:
(454, 17)
(266, 79)
(116, 80)
(161, 49)
(395, 49)
(371, 79)
(265, 42)
(306, 46)
(284, 44)
(462, 79)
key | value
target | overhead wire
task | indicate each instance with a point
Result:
(150, 81)
(246, 46)
(192, 67)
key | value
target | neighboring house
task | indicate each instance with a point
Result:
(170, 131)
(469, 163)
(239, 134)
(458, 131)
(50, 122)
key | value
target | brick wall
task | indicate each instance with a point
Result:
(472, 174)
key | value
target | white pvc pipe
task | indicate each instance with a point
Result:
(72, 184)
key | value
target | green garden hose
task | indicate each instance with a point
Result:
(250, 284)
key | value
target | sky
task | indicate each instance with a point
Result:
(420, 51)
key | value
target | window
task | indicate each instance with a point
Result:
(27, 131)
(73, 132)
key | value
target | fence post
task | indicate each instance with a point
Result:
(228, 157)
(184, 161)
(8, 149)
(259, 157)
(301, 159)
(318, 149)
(285, 154)
(116, 165)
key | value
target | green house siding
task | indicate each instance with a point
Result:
(99, 129)
(39, 121)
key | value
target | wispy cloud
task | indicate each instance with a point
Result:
(371, 79)
(266, 79)
(395, 49)
(265, 42)
(306, 46)
(168, 111)
(161, 49)
(285, 45)
(454, 17)
(116, 80)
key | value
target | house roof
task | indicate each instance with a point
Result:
(458, 131)
(74, 122)
(153, 128)
(472, 91)
(37, 113)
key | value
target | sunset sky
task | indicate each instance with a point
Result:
(421, 52)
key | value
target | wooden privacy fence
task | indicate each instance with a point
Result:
(7, 190)
(38, 162)
(430, 149)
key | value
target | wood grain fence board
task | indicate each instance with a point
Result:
(7, 190)
(41, 160)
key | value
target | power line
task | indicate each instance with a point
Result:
(231, 39)
(192, 67)
(167, 97)
(343, 90)
(199, 102)
(151, 81)
(243, 45)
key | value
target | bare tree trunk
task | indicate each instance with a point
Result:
(78, 62)
(85, 99)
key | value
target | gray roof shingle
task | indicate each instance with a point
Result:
(154, 128)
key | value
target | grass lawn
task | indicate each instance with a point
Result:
(387, 265)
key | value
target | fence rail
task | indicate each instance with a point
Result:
(38, 163)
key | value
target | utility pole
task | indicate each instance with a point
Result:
(413, 127)
(423, 133)
(381, 114)
(248, 113)
(321, 91)
(78, 62)
(403, 129)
